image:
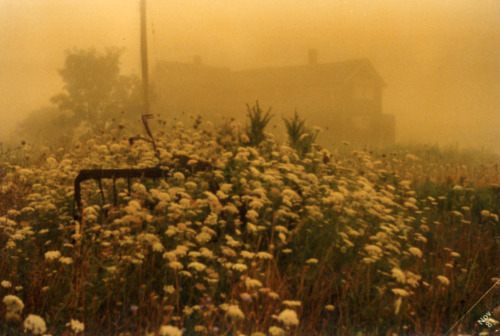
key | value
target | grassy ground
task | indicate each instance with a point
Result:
(384, 242)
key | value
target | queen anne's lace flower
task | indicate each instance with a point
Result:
(169, 330)
(35, 324)
(76, 326)
(444, 280)
(52, 255)
(289, 318)
(13, 304)
(234, 312)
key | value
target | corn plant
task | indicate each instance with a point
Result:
(300, 137)
(258, 122)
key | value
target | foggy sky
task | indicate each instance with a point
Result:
(440, 59)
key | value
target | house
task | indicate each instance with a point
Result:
(343, 98)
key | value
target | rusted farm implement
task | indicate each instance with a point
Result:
(99, 174)
(180, 163)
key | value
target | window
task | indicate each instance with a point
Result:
(364, 91)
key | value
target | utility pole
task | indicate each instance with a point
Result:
(144, 59)
(145, 78)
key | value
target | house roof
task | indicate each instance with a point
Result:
(326, 74)
(189, 67)
(316, 75)
(178, 74)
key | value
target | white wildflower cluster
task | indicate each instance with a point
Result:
(35, 324)
(13, 308)
(52, 255)
(235, 313)
(13, 304)
(289, 318)
(168, 330)
(76, 326)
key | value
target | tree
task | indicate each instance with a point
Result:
(94, 90)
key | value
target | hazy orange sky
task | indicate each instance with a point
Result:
(440, 59)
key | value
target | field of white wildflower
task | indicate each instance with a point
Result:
(240, 240)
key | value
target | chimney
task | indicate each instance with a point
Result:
(197, 60)
(313, 57)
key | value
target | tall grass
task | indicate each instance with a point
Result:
(372, 243)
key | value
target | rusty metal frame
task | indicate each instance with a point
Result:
(99, 174)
